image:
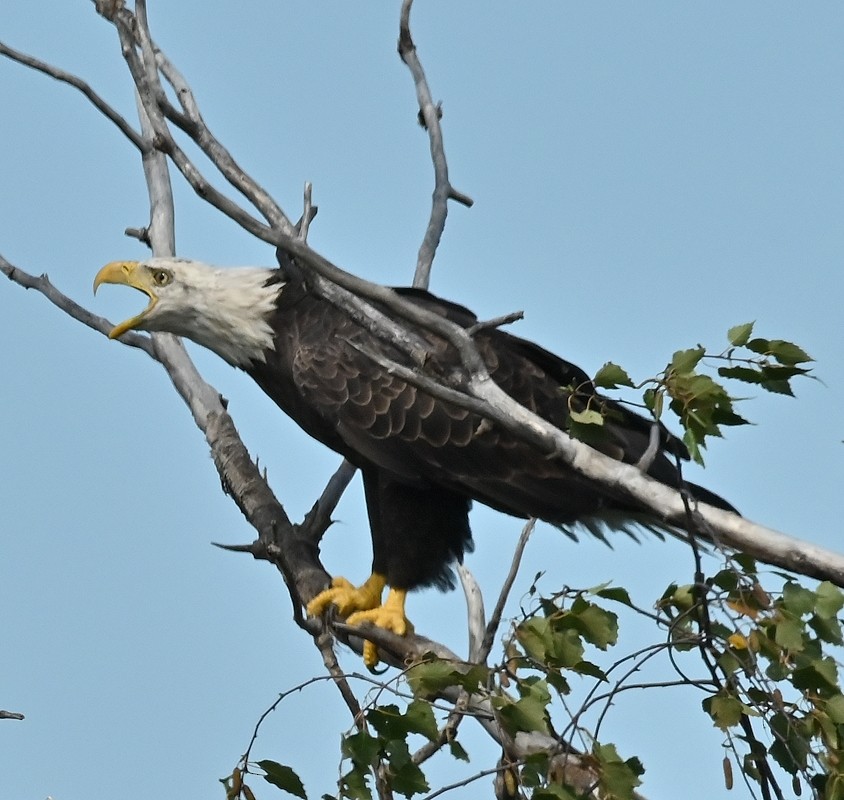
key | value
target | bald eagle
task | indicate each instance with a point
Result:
(423, 460)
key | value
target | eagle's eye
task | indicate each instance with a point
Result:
(162, 277)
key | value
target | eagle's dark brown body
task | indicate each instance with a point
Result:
(423, 460)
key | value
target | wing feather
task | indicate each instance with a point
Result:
(382, 421)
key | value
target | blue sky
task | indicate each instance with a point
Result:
(645, 177)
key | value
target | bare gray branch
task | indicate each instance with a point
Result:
(72, 80)
(430, 116)
(100, 324)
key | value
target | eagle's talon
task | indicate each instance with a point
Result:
(390, 617)
(362, 604)
(347, 598)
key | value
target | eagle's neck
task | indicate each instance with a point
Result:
(229, 311)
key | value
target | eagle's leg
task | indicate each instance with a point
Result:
(389, 616)
(347, 598)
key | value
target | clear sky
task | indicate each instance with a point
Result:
(645, 177)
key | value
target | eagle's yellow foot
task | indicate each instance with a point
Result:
(347, 598)
(390, 616)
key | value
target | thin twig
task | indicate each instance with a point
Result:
(443, 190)
(495, 322)
(77, 83)
(497, 612)
(283, 696)
(318, 519)
(43, 285)
(329, 659)
(11, 715)
(471, 779)
(309, 211)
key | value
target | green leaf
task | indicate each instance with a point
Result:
(611, 376)
(550, 645)
(776, 378)
(617, 593)
(387, 721)
(771, 377)
(725, 710)
(353, 785)
(789, 634)
(828, 629)
(790, 748)
(741, 373)
(429, 678)
(458, 751)
(684, 361)
(746, 562)
(406, 778)
(830, 600)
(586, 417)
(590, 669)
(557, 681)
(534, 635)
(599, 626)
(391, 723)
(283, 777)
(784, 352)
(797, 599)
(361, 748)
(835, 708)
(693, 444)
(820, 674)
(788, 352)
(726, 579)
(420, 719)
(739, 334)
(618, 779)
(528, 713)
(409, 780)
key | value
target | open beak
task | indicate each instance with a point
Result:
(128, 273)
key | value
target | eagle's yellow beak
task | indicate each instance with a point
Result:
(128, 273)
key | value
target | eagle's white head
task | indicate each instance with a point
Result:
(226, 310)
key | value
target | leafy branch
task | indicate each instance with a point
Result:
(702, 404)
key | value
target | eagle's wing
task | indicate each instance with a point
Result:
(388, 423)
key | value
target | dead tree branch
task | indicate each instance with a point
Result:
(429, 115)
(77, 83)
